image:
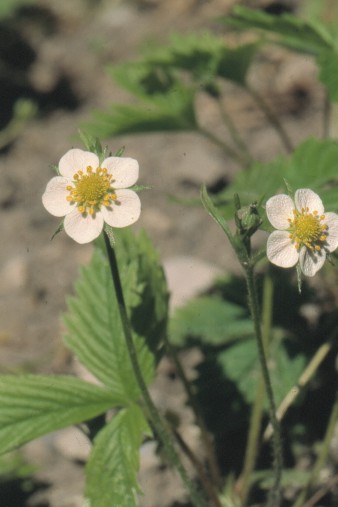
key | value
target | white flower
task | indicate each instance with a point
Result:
(88, 194)
(305, 234)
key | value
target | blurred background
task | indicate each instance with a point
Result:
(53, 59)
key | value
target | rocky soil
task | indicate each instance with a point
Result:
(65, 48)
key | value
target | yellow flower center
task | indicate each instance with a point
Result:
(306, 229)
(91, 190)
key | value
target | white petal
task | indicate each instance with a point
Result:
(76, 159)
(124, 211)
(311, 261)
(306, 198)
(83, 229)
(124, 171)
(280, 250)
(279, 209)
(331, 220)
(54, 197)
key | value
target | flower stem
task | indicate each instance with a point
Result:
(273, 119)
(236, 136)
(275, 492)
(155, 418)
(305, 377)
(228, 150)
(257, 410)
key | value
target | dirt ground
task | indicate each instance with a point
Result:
(63, 69)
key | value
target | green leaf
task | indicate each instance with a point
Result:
(95, 333)
(312, 165)
(94, 329)
(114, 461)
(234, 63)
(328, 72)
(8, 6)
(211, 320)
(241, 365)
(149, 313)
(33, 405)
(91, 143)
(309, 36)
(143, 79)
(170, 112)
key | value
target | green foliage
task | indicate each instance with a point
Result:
(303, 35)
(32, 405)
(7, 7)
(211, 320)
(93, 323)
(309, 36)
(159, 81)
(328, 72)
(13, 465)
(240, 364)
(312, 165)
(204, 56)
(171, 112)
(114, 461)
(149, 313)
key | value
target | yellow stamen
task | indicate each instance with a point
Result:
(307, 230)
(91, 190)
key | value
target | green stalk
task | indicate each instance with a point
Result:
(275, 492)
(322, 456)
(305, 377)
(273, 119)
(257, 410)
(228, 150)
(236, 136)
(159, 426)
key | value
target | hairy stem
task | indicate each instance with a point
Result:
(155, 418)
(228, 150)
(257, 410)
(273, 119)
(275, 492)
(236, 136)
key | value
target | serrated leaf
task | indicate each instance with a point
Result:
(312, 165)
(211, 321)
(143, 78)
(309, 36)
(234, 63)
(94, 329)
(169, 112)
(93, 323)
(91, 143)
(149, 313)
(328, 72)
(33, 405)
(114, 461)
(241, 365)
